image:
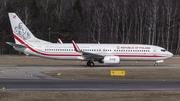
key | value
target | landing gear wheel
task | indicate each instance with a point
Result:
(155, 64)
(90, 63)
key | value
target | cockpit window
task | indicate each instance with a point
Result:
(163, 50)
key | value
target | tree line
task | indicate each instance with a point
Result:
(153, 22)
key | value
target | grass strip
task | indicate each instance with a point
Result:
(91, 96)
(130, 74)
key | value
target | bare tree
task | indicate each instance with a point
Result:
(87, 4)
(178, 43)
(3, 4)
(155, 8)
(98, 19)
(111, 17)
(45, 5)
(124, 19)
(142, 4)
(136, 23)
(58, 9)
(169, 6)
(117, 18)
(27, 14)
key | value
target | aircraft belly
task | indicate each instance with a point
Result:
(20, 49)
(134, 58)
(61, 57)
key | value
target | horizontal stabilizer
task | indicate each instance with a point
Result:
(16, 45)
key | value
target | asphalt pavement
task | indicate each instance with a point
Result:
(29, 78)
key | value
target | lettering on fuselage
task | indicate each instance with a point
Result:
(118, 47)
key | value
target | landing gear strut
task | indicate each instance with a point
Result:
(155, 64)
(90, 63)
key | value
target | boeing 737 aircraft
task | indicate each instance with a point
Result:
(27, 43)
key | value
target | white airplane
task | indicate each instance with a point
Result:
(27, 43)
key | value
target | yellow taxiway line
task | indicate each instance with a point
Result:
(7, 74)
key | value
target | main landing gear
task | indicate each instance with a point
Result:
(90, 63)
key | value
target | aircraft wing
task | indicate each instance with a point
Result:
(87, 55)
(16, 45)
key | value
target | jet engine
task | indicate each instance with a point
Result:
(111, 60)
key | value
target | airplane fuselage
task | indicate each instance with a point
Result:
(126, 52)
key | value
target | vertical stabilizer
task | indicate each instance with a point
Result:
(21, 32)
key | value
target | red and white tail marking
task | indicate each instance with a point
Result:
(76, 48)
(60, 41)
(19, 29)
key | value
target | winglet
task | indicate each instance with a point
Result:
(76, 48)
(60, 41)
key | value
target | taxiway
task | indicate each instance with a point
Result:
(29, 78)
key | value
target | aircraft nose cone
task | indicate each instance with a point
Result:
(170, 54)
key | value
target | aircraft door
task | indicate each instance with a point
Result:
(154, 51)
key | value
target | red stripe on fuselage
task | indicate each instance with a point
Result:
(139, 56)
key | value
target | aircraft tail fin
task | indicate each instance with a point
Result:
(21, 33)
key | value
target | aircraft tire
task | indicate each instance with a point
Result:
(88, 63)
(155, 64)
(91, 64)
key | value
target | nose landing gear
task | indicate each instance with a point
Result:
(155, 64)
(90, 63)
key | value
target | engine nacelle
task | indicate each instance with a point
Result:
(111, 60)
